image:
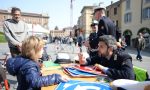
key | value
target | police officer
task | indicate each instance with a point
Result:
(116, 64)
(92, 43)
(105, 25)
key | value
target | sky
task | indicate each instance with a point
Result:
(58, 10)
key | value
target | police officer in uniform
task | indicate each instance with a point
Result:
(116, 64)
(92, 43)
(105, 25)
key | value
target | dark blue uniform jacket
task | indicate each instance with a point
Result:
(107, 27)
(120, 65)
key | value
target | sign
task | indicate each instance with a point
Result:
(81, 85)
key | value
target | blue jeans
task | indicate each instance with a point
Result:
(139, 56)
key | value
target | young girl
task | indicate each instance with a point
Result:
(27, 69)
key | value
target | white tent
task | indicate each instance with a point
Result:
(37, 29)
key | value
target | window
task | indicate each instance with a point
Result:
(128, 2)
(147, 1)
(127, 17)
(146, 13)
(113, 21)
(117, 23)
(115, 10)
(4, 17)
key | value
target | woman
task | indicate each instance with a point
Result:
(27, 69)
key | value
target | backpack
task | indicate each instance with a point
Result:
(140, 74)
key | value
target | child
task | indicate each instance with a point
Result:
(27, 69)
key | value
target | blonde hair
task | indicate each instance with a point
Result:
(31, 47)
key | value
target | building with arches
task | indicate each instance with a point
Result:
(131, 18)
(135, 19)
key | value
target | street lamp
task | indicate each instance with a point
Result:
(71, 16)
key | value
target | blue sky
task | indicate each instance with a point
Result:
(58, 10)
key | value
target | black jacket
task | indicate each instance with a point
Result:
(92, 42)
(107, 27)
(120, 65)
(140, 44)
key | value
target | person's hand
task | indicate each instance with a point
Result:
(57, 78)
(86, 43)
(19, 46)
(82, 59)
(99, 67)
(118, 44)
(65, 78)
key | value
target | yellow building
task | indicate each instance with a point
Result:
(85, 20)
(135, 18)
(113, 11)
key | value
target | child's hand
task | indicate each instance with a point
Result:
(65, 78)
(57, 78)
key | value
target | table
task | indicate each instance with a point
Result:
(46, 71)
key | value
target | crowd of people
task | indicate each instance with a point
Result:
(105, 47)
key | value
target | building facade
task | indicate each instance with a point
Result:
(85, 20)
(135, 19)
(60, 33)
(113, 11)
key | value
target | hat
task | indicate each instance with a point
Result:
(94, 22)
(98, 9)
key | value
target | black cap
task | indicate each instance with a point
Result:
(93, 24)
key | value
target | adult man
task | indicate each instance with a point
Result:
(140, 45)
(115, 63)
(105, 25)
(15, 31)
(92, 43)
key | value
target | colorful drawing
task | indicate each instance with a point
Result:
(89, 69)
(77, 73)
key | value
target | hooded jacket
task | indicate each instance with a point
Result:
(28, 74)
